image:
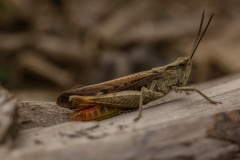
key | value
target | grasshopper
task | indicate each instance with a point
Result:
(104, 100)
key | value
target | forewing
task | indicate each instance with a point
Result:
(130, 82)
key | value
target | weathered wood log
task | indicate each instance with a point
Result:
(187, 127)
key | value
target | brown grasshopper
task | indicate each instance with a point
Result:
(111, 98)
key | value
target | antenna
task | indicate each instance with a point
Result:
(199, 35)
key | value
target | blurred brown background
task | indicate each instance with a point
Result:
(47, 46)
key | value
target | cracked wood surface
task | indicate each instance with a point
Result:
(177, 127)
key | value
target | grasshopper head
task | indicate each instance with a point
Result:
(183, 67)
(184, 64)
